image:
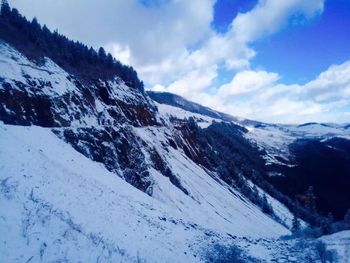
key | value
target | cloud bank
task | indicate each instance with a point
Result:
(174, 47)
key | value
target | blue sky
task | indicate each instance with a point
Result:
(226, 10)
(310, 47)
(304, 48)
(270, 60)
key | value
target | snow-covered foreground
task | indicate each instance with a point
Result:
(340, 242)
(57, 204)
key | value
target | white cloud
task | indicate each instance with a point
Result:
(248, 81)
(271, 15)
(194, 81)
(173, 47)
(119, 52)
(231, 49)
(151, 33)
(331, 85)
(165, 40)
(258, 95)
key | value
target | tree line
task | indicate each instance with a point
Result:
(36, 41)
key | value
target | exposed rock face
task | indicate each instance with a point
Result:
(94, 117)
(290, 157)
(99, 117)
(35, 101)
(116, 148)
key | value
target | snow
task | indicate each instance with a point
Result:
(59, 205)
(271, 139)
(68, 101)
(275, 139)
(166, 111)
(75, 208)
(279, 209)
(222, 208)
(320, 130)
(15, 67)
(119, 90)
(340, 242)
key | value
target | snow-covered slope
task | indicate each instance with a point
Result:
(295, 157)
(168, 112)
(67, 206)
(166, 98)
(59, 205)
(274, 139)
(44, 94)
(221, 207)
(340, 242)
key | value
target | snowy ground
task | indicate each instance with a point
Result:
(340, 242)
(15, 67)
(210, 201)
(59, 205)
(166, 111)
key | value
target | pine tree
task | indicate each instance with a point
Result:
(310, 199)
(4, 7)
(347, 217)
(4, 3)
(330, 218)
(266, 207)
(35, 41)
(295, 224)
(326, 224)
(102, 53)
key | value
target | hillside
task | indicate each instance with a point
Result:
(295, 156)
(93, 170)
(144, 155)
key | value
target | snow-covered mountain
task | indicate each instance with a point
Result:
(93, 170)
(295, 156)
(67, 205)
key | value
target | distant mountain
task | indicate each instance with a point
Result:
(296, 156)
(180, 102)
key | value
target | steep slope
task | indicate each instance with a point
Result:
(98, 120)
(71, 209)
(180, 102)
(68, 207)
(46, 95)
(308, 155)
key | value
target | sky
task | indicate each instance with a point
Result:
(268, 60)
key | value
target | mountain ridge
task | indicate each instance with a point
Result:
(281, 147)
